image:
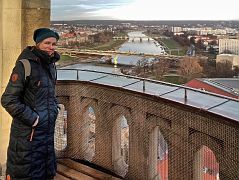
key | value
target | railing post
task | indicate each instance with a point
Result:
(185, 95)
(77, 76)
(144, 85)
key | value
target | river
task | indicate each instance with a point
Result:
(148, 45)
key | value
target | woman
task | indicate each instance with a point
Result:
(32, 103)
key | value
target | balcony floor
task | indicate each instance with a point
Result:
(69, 169)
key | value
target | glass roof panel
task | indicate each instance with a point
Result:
(194, 98)
(151, 88)
(229, 109)
(82, 75)
(115, 80)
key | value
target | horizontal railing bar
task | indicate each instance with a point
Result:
(153, 81)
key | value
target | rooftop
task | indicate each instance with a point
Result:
(228, 85)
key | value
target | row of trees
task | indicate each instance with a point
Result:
(88, 41)
(187, 68)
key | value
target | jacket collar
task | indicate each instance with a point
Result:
(32, 53)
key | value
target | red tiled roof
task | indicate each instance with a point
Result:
(207, 176)
(163, 168)
(67, 35)
(209, 160)
(198, 84)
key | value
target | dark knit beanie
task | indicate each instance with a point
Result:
(43, 33)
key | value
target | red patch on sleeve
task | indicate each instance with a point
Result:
(8, 177)
(14, 77)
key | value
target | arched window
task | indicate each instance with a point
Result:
(89, 133)
(60, 137)
(120, 151)
(206, 166)
(158, 155)
(162, 157)
(124, 139)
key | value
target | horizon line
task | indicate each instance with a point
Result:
(140, 20)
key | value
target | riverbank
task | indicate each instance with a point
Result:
(170, 45)
(93, 61)
(68, 60)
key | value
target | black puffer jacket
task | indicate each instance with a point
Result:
(25, 100)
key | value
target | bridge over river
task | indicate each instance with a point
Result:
(76, 52)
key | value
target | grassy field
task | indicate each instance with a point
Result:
(175, 79)
(66, 58)
(171, 44)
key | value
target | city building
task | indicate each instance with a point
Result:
(229, 46)
(176, 29)
(232, 58)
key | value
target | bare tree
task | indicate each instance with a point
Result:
(224, 69)
(161, 68)
(190, 68)
(236, 71)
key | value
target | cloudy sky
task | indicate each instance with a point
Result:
(144, 10)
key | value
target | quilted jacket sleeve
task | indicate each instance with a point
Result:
(12, 98)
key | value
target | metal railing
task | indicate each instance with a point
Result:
(186, 93)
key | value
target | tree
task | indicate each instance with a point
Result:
(209, 67)
(190, 68)
(224, 69)
(160, 68)
(200, 45)
(214, 42)
(236, 71)
(192, 40)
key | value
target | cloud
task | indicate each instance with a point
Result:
(143, 10)
(83, 9)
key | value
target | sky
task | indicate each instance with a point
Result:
(144, 10)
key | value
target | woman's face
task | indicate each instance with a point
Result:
(48, 45)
